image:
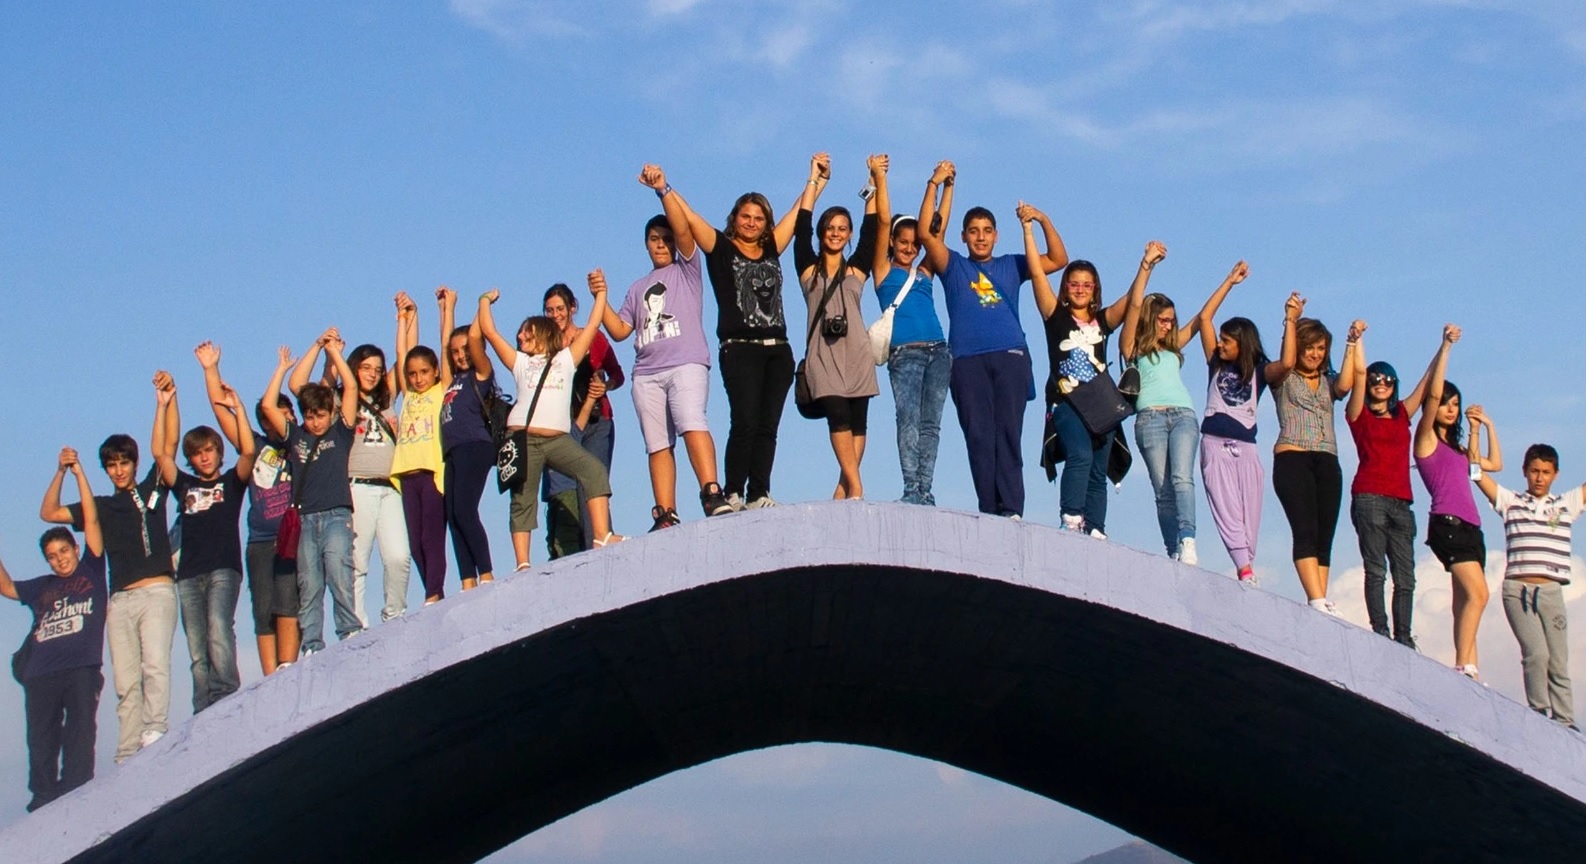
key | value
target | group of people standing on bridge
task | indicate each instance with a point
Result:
(396, 458)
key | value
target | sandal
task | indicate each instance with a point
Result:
(607, 540)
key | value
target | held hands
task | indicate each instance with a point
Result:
(1451, 334)
(1153, 253)
(597, 281)
(877, 165)
(1294, 306)
(68, 461)
(1476, 416)
(651, 176)
(821, 168)
(446, 298)
(597, 388)
(943, 173)
(1355, 332)
(490, 297)
(405, 305)
(208, 354)
(1238, 273)
(165, 387)
(230, 400)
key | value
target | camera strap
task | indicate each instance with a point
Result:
(822, 308)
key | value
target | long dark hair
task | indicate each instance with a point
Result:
(1097, 285)
(381, 394)
(1249, 347)
(1453, 433)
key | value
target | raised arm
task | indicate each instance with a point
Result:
(1277, 370)
(209, 357)
(597, 281)
(1205, 317)
(407, 338)
(1152, 254)
(269, 407)
(507, 352)
(300, 372)
(350, 386)
(232, 403)
(883, 250)
(1354, 402)
(937, 254)
(1351, 359)
(704, 234)
(8, 588)
(866, 244)
(1490, 460)
(1423, 442)
(167, 427)
(1047, 302)
(677, 212)
(1055, 258)
(1414, 400)
(52, 510)
(805, 251)
(784, 231)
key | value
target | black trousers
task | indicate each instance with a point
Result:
(757, 378)
(60, 708)
(1308, 484)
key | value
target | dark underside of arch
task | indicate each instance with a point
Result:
(1209, 751)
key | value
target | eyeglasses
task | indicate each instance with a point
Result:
(1377, 378)
(1170, 319)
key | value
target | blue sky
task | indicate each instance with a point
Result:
(252, 174)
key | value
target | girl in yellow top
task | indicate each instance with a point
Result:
(417, 463)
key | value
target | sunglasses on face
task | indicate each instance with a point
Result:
(1377, 378)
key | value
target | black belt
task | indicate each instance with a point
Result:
(374, 481)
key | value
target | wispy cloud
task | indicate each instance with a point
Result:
(517, 20)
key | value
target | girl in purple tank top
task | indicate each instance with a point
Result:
(1454, 533)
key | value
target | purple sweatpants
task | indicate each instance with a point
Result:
(1233, 479)
(426, 515)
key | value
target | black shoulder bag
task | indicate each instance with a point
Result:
(493, 410)
(510, 453)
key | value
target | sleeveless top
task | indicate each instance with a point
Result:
(1445, 475)
(1162, 386)
(1307, 416)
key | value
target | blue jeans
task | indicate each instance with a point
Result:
(919, 375)
(1084, 484)
(325, 555)
(208, 603)
(1167, 439)
(1385, 531)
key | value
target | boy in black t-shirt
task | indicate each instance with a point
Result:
(61, 678)
(210, 573)
(141, 616)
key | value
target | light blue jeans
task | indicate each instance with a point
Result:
(208, 602)
(325, 556)
(919, 375)
(1167, 440)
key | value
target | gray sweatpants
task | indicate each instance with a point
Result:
(1539, 621)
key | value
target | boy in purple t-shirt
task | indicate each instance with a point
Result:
(61, 678)
(663, 311)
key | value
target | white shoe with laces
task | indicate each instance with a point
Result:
(1188, 551)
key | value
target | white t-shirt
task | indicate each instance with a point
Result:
(553, 411)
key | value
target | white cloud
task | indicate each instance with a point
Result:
(1499, 656)
(517, 20)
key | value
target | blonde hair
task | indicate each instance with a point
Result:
(1147, 335)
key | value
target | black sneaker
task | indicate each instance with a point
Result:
(663, 517)
(713, 501)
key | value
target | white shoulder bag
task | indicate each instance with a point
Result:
(881, 333)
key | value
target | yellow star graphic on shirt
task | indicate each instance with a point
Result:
(984, 288)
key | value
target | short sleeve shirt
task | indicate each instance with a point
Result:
(320, 466)
(133, 522)
(209, 511)
(1539, 532)
(373, 447)
(269, 490)
(68, 618)
(462, 420)
(749, 291)
(982, 299)
(1077, 351)
(665, 307)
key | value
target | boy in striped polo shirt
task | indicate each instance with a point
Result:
(1538, 562)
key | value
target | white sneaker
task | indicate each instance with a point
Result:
(1072, 523)
(735, 503)
(761, 503)
(1188, 551)
(1097, 535)
(149, 736)
(1325, 606)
